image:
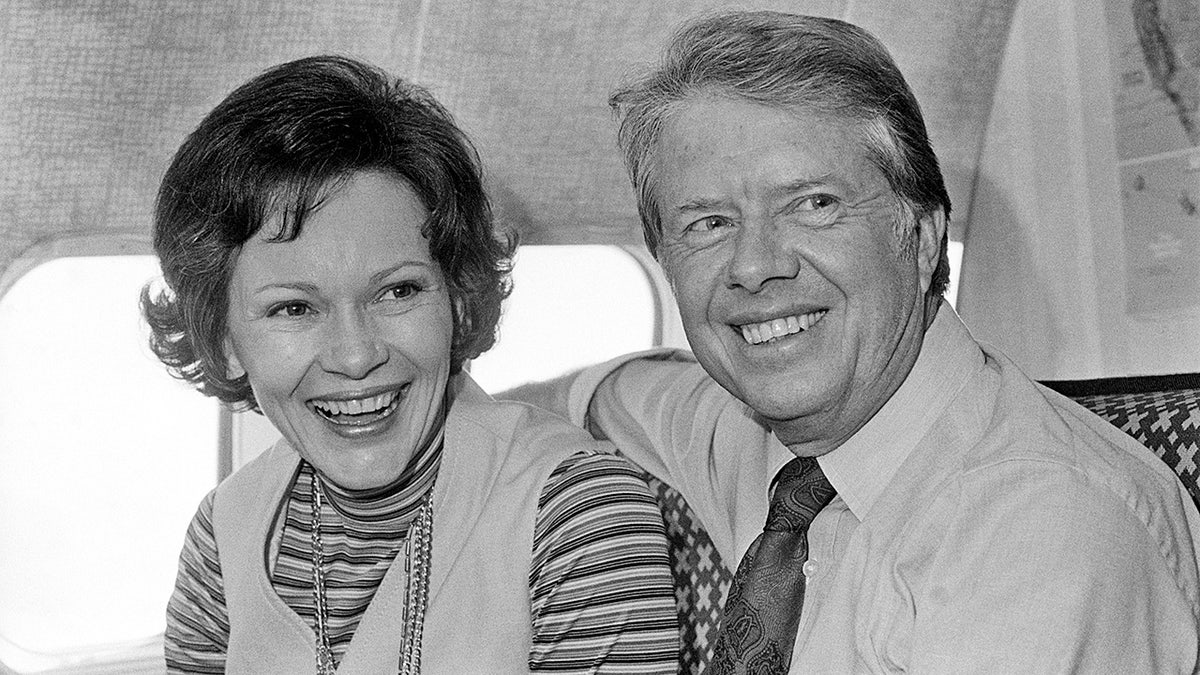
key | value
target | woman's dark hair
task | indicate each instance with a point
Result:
(277, 147)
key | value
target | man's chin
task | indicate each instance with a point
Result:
(795, 412)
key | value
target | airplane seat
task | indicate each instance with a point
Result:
(702, 579)
(1161, 412)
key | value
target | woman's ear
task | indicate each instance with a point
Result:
(233, 366)
(462, 318)
(931, 231)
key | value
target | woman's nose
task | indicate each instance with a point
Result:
(758, 257)
(353, 348)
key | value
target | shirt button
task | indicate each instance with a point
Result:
(809, 569)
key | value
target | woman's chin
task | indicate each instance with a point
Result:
(360, 457)
(362, 473)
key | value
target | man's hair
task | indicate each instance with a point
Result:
(277, 147)
(791, 62)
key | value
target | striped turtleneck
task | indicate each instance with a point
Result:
(361, 533)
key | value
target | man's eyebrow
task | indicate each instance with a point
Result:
(702, 204)
(775, 192)
(800, 185)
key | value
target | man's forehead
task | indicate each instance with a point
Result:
(714, 140)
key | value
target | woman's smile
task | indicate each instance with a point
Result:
(353, 417)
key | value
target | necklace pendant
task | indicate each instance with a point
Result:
(324, 661)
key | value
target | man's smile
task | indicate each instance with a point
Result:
(773, 329)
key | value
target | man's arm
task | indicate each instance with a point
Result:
(549, 395)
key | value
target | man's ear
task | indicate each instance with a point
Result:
(931, 231)
(233, 366)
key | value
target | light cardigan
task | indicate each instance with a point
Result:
(496, 460)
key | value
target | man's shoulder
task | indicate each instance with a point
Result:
(1038, 448)
(1031, 423)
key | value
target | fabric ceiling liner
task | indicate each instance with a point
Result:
(97, 95)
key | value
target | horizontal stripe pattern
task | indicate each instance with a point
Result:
(197, 632)
(361, 533)
(600, 583)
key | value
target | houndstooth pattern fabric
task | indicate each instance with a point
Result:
(1167, 422)
(701, 578)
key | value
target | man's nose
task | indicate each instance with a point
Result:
(353, 347)
(758, 257)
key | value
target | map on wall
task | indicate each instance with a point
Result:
(1156, 71)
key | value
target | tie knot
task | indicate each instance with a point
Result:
(801, 490)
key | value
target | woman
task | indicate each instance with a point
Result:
(330, 262)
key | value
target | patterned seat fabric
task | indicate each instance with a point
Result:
(701, 578)
(1161, 412)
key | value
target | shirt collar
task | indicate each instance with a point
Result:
(862, 467)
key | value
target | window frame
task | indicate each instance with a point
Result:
(142, 656)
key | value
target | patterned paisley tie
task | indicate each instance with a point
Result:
(762, 612)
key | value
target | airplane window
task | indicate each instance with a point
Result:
(103, 459)
(954, 251)
(571, 306)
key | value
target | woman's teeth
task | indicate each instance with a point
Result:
(357, 410)
(758, 333)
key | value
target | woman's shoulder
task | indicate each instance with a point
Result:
(279, 458)
(513, 423)
(608, 485)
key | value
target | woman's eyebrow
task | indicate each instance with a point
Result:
(303, 287)
(383, 274)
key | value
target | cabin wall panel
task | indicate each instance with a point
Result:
(1044, 275)
(99, 94)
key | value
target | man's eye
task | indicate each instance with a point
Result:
(289, 309)
(707, 224)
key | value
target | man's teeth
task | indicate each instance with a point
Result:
(758, 333)
(356, 406)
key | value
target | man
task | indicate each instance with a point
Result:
(981, 523)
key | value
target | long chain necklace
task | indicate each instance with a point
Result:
(417, 546)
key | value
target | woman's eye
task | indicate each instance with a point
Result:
(401, 291)
(817, 202)
(290, 309)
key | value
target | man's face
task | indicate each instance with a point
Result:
(779, 241)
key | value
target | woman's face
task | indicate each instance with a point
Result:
(345, 331)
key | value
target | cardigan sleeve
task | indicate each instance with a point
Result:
(197, 632)
(602, 594)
